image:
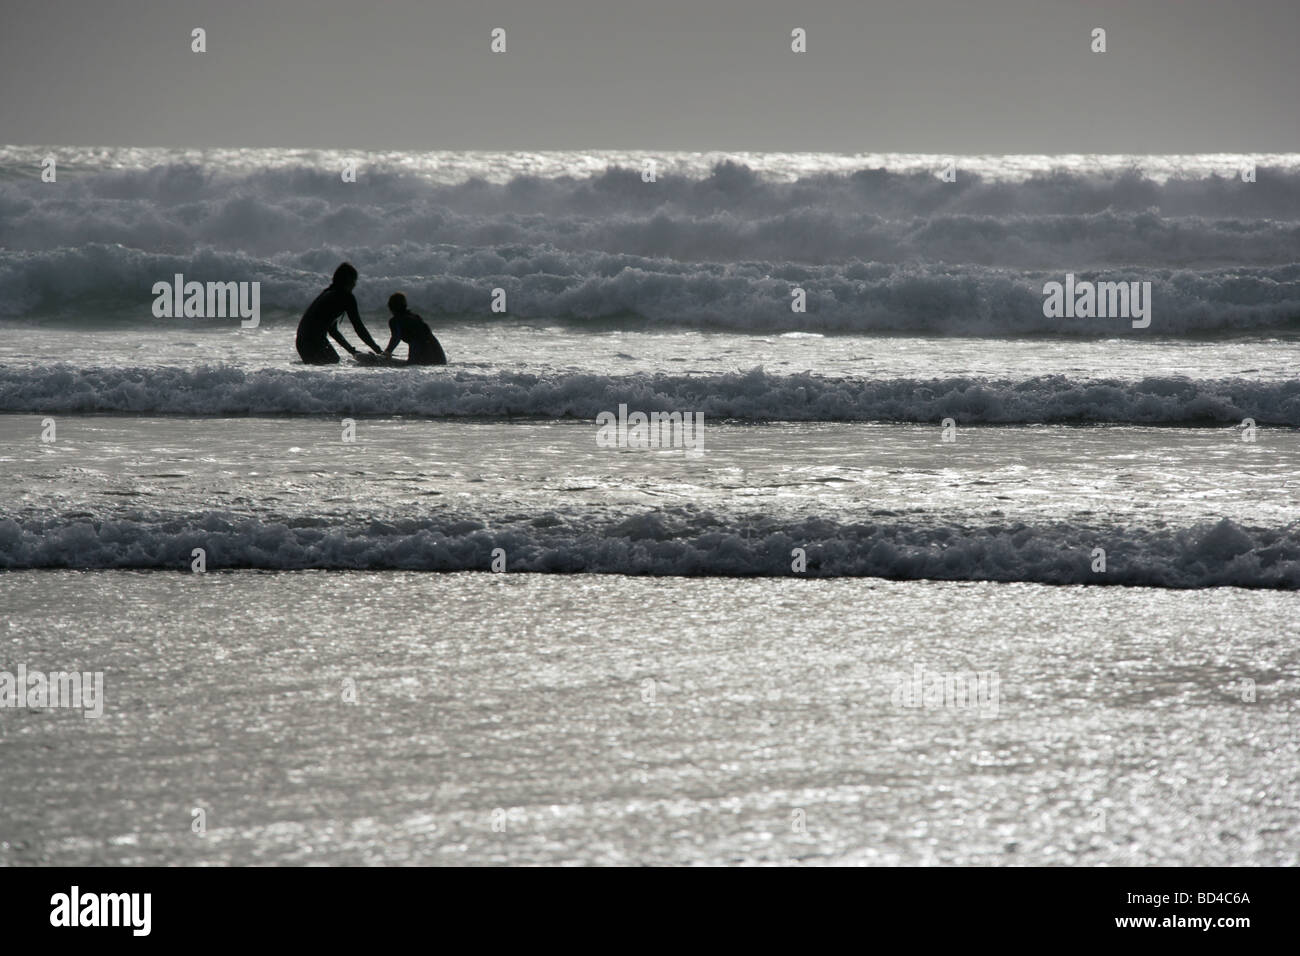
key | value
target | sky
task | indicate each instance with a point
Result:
(934, 76)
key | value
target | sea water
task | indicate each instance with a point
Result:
(420, 615)
(595, 719)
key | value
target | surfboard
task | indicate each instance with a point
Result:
(371, 359)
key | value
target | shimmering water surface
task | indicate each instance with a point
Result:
(605, 719)
(346, 682)
(559, 349)
(292, 470)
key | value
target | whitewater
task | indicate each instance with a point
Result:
(563, 653)
(671, 291)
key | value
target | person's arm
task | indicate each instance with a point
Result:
(360, 329)
(337, 336)
(392, 343)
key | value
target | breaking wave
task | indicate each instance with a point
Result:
(746, 396)
(672, 542)
(857, 296)
(707, 244)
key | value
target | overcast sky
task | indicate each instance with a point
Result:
(942, 76)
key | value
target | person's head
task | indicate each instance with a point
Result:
(397, 303)
(345, 276)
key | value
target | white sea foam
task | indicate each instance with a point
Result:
(95, 281)
(671, 542)
(494, 166)
(716, 241)
(754, 395)
(730, 215)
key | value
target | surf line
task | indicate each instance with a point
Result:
(216, 300)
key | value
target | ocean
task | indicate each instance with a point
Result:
(427, 615)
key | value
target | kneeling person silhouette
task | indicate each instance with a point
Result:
(322, 319)
(406, 326)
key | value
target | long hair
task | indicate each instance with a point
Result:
(343, 273)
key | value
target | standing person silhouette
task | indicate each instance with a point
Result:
(322, 318)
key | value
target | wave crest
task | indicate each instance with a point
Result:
(748, 396)
(854, 296)
(673, 542)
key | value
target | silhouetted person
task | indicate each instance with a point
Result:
(322, 318)
(406, 326)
